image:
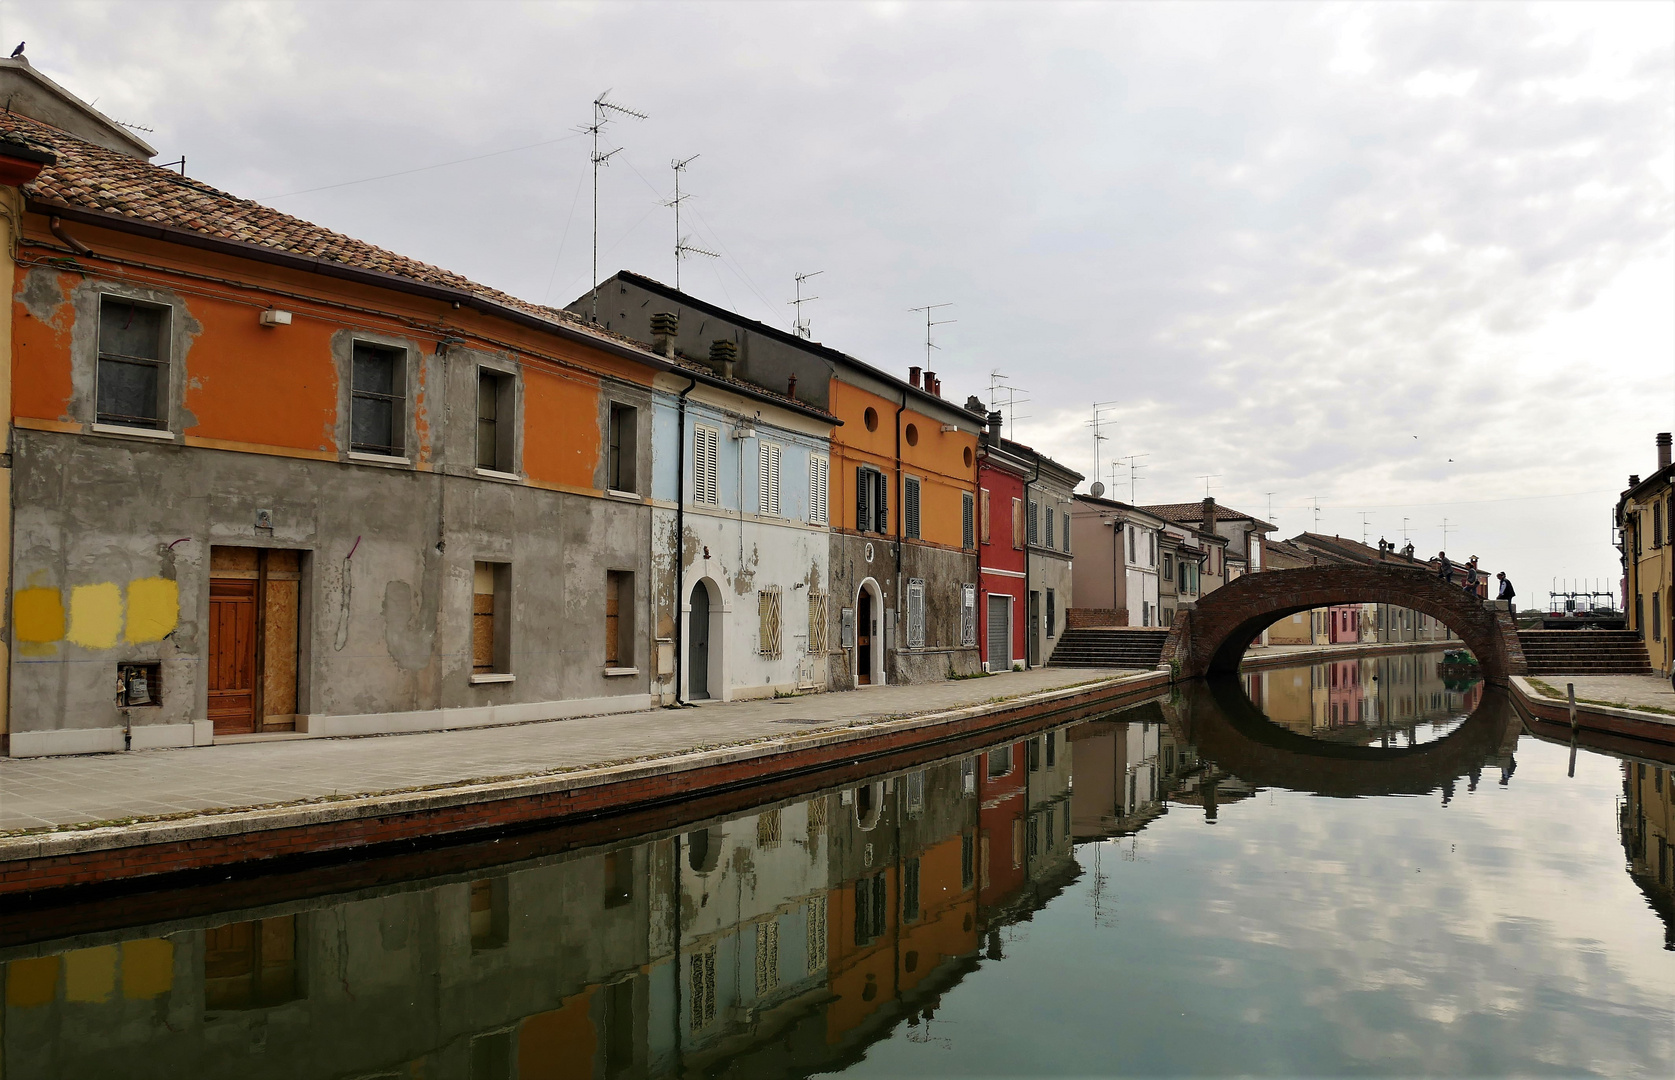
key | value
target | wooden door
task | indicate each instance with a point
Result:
(232, 655)
(698, 633)
(863, 639)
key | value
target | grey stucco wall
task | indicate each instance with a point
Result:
(943, 571)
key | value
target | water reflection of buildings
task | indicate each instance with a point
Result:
(774, 943)
(1648, 828)
(1372, 699)
(1129, 770)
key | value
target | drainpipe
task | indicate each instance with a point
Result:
(901, 511)
(1028, 631)
(680, 543)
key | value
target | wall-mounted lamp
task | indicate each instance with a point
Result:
(274, 317)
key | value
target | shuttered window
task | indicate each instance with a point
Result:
(768, 612)
(968, 615)
(706, 465)
(968, 524)
(871, 501)
(983, 514)
(767, 495)
(910, 508)
(1049, 541)
(1034, 532)
(1067, 532)
(1018, 523)
(915, 613)
(817, 614)
(819, 490)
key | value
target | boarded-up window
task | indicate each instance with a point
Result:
(910, 508)
(968, 535)
(706, 465)
(915, 613)
(968, 615)
(619, 618)
(768, 619)
(817, 616)
(488, 612)
(983, 514)
(622, 463)
(767, 479)
(1018, 524)
(819, 490)
(251, 965)
(495, 409)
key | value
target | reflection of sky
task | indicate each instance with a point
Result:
(1299, 935)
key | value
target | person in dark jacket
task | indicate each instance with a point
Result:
(1507, 592)
(1471, 574)
(1445, 569)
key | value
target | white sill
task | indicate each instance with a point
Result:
(493, 677)
(615, 494)
(613, 672)
(496, 474)
(377, 459)
(136, 432)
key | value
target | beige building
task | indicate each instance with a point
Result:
(1643, 516)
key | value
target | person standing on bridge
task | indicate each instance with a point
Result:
(1445, 569)
(1507, 592)
(1471, 574)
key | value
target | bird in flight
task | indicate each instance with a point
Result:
(17, 52)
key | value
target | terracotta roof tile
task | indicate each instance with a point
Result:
(1191, 512)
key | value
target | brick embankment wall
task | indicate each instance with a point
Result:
(1087, 618)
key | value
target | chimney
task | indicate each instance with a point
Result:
(1209, 523)
(1663, 450)
(913, 375)
(1633, 479)
(930, 382)
(791, 387)
(664, 326)
(994, 427)
(724, 355)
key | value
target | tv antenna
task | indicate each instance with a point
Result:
(1405, 529)
(928, 309)
(1134, 469)
(800, 327)
(997, 386)
(1316, 500)
(1207, 478)
(1271, 495)
(1446, 529)
(1097, 423)
(602, 110)
(1364, 518)
(681, 246)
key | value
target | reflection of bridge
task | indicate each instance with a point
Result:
(1213, 636)
(1227, 728)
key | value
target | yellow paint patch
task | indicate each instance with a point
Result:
(153, 609)
(95, 615)
(38, 615)
(90, 974)
(147, 968)
(32, 982)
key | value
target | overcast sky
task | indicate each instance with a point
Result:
(1412, 261)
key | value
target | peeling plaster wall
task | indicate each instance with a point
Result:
(944, 572)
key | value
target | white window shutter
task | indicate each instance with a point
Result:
(773, 480)
(764, 481)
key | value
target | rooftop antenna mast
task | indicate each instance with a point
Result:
(1096, 423)
(1316, 500)
(681, 246)
(1134, 469)
(602, 110)
(1207, 478)
(1364, 518)
(1405, 529)
(929, 309)
(1446, 529)
(997, 384)
(1271, 495)
(800, 327)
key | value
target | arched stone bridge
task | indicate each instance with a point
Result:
(1211, 638)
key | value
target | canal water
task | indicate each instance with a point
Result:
(1354, 868)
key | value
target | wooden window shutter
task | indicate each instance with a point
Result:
(983, 513)
(773, 479)
(1018, 523)
(881, 503)
(863, 500)
(1034, 514)
(819, 484)
(968, 535)
(764, 496)
(910, 508)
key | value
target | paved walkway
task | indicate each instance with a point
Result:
(46, 793)
(1623, 691)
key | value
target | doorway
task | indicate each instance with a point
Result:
(698, 636)
(1032, 646)
(1000, 633)
(254, 608)
(863, 638)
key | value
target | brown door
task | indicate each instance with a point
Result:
(863, 639)
(232, 655)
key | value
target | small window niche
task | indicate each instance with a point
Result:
(496, 407)
(491, 616)
(139, 686)
(488, 914)
(619, 622)
(133, 370)
(621, 465)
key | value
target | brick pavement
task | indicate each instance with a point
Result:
(51, 793)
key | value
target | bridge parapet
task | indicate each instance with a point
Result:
(1213, 636)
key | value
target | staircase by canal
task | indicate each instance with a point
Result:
(1109, 647)
(1584, 652)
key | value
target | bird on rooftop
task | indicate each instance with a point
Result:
(17, 52)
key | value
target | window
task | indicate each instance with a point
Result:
(872, 501)
(1000, 761)
(1034, 755)
(1052, 749)
(378, 400)
(916, 613)
(706, 465)
(768, 621)
(983, 514)
(819, 490)
(815, 949)
(619, 878)
(767, 479)
(495, 410)
(768, 828)
(133, 376)
(1034, 533)
(1657, 525)
(1657, 617)
(1048, 539)
(910, 507)
(968, 522)
(1018, 524)
(251, 965)
(703, 988)
(491, 611)
(1169, 566)
(968, 860)
(872, 909)
(1066, 516)
(817, 616)
(488, 914)
(1132, 560)
(910, 891)
(767, 956)
(1052, 615)
(619, 618)
(622, 465)
(968, 615)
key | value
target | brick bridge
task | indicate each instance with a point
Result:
(1211, 638)
(1218, 719)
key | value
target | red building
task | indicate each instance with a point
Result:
(1003, 798)
(1001, 554)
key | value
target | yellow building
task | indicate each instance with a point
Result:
(1644, 516)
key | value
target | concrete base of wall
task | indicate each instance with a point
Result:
(474, 716)
(108, 740)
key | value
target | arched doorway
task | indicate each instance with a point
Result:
(698, 638)
(869, 640)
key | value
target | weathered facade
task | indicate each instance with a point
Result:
(1049, 490)
(1645, 517)
(1120, 553)
(1001, 476)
